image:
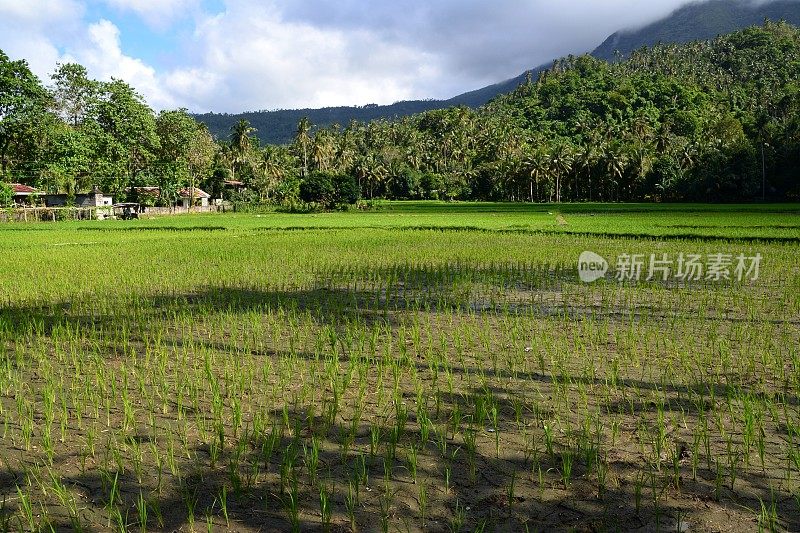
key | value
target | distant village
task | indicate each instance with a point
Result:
(100, 205)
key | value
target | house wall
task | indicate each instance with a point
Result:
(23, 198)
(203, 202)
(81, 200)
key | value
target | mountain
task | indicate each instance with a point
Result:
(699, 21)
(696, 21)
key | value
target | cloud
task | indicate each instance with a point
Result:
(283, 53)
(47, 32)
(269, 54)
(252, 58)
(158, 14)
(38, 14)
(31, 29)
(102, 56)
(484, 42)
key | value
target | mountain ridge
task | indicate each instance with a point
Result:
(698, 21)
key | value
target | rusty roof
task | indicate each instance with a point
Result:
(198, 193)
(19, 188)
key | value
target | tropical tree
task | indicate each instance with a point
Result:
(560, 163)
(75, 95)
(273, 166)
(23, 101)
(129, 141)
(302, 143)
(240, 150)
(537, 164)
(323, 149)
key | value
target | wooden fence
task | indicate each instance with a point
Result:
(52, 214)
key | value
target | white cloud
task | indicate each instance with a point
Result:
(478, 42)
(251, 58)
(283, 53)
(158, 14)
(268, 54)
(39, 13)
(103, 58)
(30, 30)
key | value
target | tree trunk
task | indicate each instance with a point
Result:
(558, 188)
(763, 173)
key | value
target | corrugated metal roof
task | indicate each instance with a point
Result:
(183, 193)
(198, 193)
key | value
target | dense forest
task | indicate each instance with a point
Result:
(711, 120)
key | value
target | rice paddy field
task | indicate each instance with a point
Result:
(422, 367)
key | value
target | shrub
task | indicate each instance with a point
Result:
(6, 195)
(405, 184)
(432, 186)
(346, 189)
(317, 187)
(297, 206)
(329, 190)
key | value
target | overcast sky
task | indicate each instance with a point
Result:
(246, 55)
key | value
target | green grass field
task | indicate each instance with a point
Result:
(421, 367)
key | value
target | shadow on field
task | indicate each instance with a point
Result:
(371, 294)
(189, 229)
(522, 230)
(492, 485)
(488, 490)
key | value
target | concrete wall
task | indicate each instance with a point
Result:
(81, 200)
(179, 210)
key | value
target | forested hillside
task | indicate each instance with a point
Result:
(709, 121)
(697, 21)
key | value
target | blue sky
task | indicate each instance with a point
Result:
(244, 55)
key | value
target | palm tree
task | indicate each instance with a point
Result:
(536, 163)
(346, 147)
(587, 158)
(270, 169)
(241, 144)
(641, 161)
(302, 140)
(616, 163)
(561, 159)
(323, 149)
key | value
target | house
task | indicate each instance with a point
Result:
(95, 199)
(150, 195)
(233, 185)
(146, 196)
(23, 194)
(90, 199)
(193, 195)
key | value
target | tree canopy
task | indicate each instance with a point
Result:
(714, 120)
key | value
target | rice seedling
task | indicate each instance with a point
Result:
(460, 357)
(325, 506)
(141, 508)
